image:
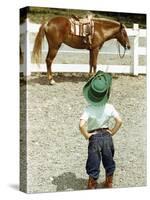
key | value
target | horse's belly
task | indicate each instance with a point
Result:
(75, 42)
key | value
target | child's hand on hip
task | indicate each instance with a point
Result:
(90, 134)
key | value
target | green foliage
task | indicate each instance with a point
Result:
(36, 15)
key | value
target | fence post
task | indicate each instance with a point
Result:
(27, 56)
(135, 49)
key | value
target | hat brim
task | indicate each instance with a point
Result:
(98, 101)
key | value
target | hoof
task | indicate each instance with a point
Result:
(91, 74)
(52, 82)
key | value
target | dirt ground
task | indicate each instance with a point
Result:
(57, 152)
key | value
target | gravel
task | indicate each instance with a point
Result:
(57, 152)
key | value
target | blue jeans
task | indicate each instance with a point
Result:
(100, 148)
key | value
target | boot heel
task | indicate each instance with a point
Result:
(92, 184)
(108, 182)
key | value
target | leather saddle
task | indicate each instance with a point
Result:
(81, 26)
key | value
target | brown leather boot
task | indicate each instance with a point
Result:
(108, 182)
(92, 184)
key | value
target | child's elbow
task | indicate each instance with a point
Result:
(119, 121)
(81, 124)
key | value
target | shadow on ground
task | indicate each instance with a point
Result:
(69, 182)
(42, 78)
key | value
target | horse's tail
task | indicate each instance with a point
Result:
(37, 49)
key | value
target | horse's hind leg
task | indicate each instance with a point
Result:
(49, 59)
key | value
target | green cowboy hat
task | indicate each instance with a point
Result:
(97, 89)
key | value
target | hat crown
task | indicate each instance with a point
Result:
(97, 89)
(99, 84)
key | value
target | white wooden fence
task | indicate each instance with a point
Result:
(27, 67)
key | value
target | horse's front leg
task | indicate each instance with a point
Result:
(91, 63)
(93, 60)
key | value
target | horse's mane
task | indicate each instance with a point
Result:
(106, 20)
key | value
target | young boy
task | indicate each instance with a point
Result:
(97, 116)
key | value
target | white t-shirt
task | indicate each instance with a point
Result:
(99, 116)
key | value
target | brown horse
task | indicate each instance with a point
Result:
(58, 31)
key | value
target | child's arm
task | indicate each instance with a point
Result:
(118, 123)
(83, 129)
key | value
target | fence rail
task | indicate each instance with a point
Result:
(28, 67)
